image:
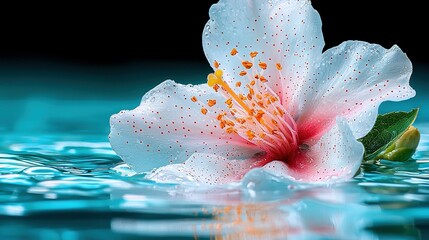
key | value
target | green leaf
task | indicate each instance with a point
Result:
(387, 129)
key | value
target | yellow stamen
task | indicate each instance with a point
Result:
(216, 78)
(251, 109)
(212, 80)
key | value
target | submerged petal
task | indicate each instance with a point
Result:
(168, 127)
(205, 168)
(352, 81)
(336, 156)
(283, 38)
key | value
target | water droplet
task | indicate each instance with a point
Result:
(123, 170)
(42, 173)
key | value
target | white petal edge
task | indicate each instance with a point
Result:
(207, 169)
(352, 81)
(168, 128)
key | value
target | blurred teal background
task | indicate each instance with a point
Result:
(53, 98)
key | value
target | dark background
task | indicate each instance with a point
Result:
(119, 33)
(68, 67)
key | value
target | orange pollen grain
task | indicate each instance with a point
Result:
(211, 102)
(238, 84)
(256, 76)
(247, 64)
(204, 111)
(231, 130)
(234, 52)
(253, 54)
(250, 134)
(243, 73)
(274, 122)
(251, 91)
(216, 64)
(216, 87)
(279, 66)
(240, 120)
(222, 124)
(229, 123)
(263, 65)
(263, 79)
(252, 83)
(194, 99)
(273, 99)
(228, 101)
(259, 115)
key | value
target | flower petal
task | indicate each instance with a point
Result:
(168, 127)
(285, 32)
(336, 156)
(352, 81)
(204, 168)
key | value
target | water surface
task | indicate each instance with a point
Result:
(59, 179)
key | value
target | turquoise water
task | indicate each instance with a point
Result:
(59, 178)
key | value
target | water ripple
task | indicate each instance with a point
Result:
(52, 178)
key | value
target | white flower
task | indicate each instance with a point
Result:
(275, 101)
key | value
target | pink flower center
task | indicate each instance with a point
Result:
(254, 110)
